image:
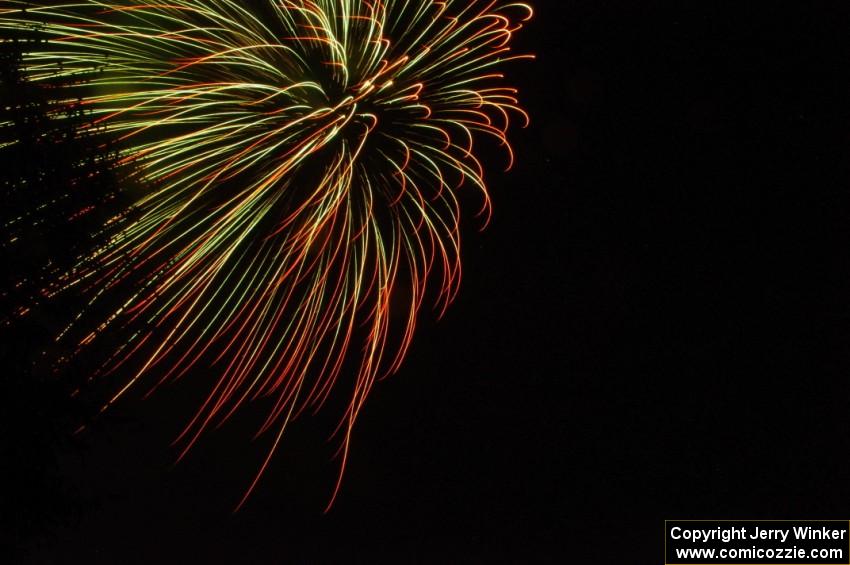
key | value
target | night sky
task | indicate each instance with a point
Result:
(656, 325)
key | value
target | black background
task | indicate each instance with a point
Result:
(656, 325)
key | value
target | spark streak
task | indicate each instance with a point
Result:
(303, 160)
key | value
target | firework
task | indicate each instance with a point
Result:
(301, 163)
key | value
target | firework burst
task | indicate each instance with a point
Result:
(301, 163)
